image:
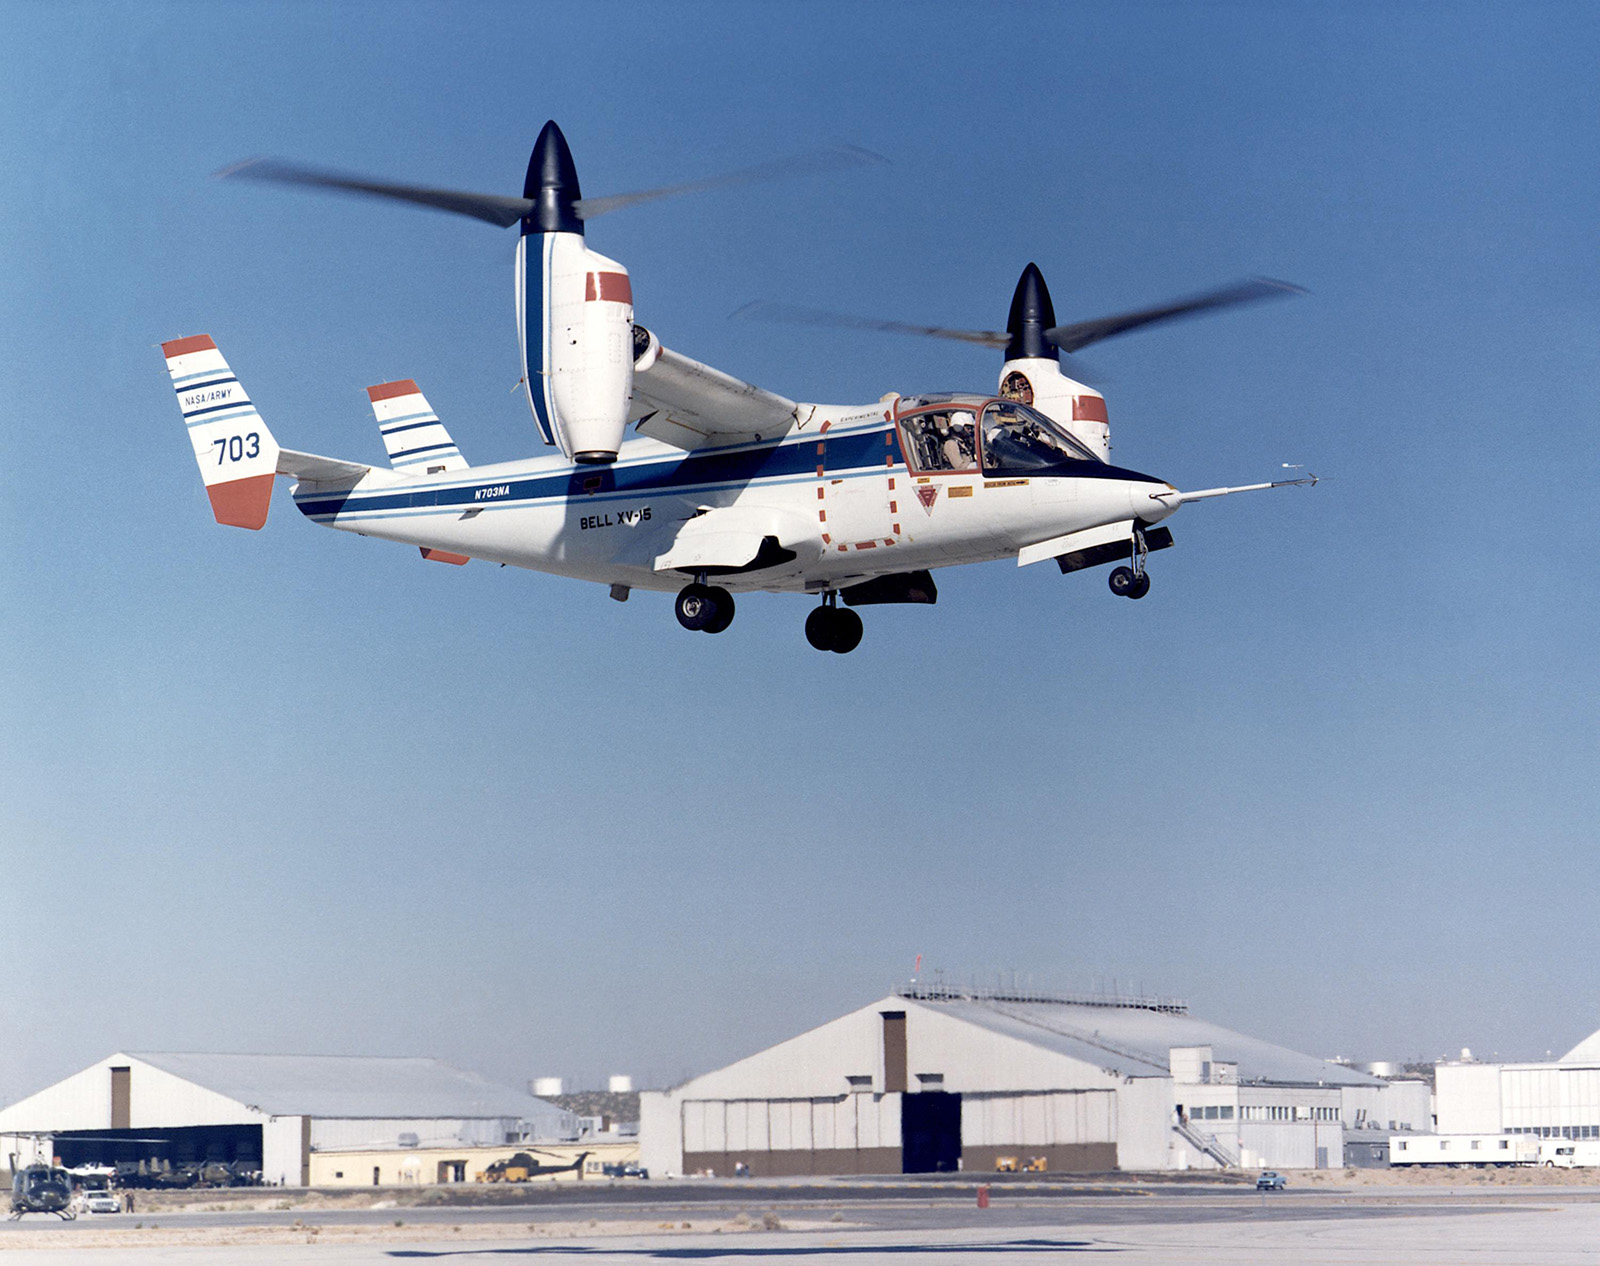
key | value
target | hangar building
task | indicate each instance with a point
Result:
(1553, 1099)
(267, 1111)
(930, 1080)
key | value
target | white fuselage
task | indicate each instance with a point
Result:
(837, 494)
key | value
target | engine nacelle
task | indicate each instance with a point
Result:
(1038, 381)
(575, 324)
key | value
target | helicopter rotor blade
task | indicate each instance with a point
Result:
(792, 314)
(491, 208)
(503, 212)
(1069, 338)
(814, 162)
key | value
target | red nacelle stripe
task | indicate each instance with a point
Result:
(610, 287)
(1089, 409)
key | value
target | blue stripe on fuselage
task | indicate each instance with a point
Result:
(850, 453)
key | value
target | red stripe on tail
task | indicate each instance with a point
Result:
(183, 346)
(389, 390)
(242, 502)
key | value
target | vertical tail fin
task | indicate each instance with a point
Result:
(237, 455)
(416, 440)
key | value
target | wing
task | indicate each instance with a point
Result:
(689, 405)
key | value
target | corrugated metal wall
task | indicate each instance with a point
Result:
(784, 1125)
(1039, 1120)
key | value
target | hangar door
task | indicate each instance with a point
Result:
(930, 1132)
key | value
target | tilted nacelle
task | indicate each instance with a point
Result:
(1082, 410)
(575, 324)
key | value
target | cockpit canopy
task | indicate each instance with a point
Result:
(959, 432)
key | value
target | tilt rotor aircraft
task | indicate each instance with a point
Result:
(675, 476)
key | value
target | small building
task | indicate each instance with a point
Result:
(931, 1080)
(391, 1166)
(1366, 1149)
(267, 1113)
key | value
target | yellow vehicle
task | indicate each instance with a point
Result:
(1005, 1164)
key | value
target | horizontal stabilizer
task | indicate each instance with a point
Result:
(308, 468)
(413, 436)
(236, 453)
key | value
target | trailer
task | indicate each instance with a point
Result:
(1569, 1153)
(1465, 1151)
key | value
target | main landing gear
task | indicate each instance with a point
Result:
(1132, 582)
(833, 628)
(704, 608)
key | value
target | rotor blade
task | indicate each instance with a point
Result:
(811, 163)
(791, 314)
(491, 208)
(761, 310)
(1069, 338)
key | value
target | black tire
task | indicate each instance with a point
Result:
(847, 631)
(696, 607)
(1120, 580)
(819, 628)
(724, 615)
(1140, 586)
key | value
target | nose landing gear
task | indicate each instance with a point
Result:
(831, 627)
(703, 608)
(1132, 582)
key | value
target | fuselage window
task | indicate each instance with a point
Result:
(944, 440)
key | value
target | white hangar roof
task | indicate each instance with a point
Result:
(1585, 1052)
(974, 1041)
(350, 1086)
(173, 1088)
(1134, 1040)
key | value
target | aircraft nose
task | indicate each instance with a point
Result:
(1152, 500)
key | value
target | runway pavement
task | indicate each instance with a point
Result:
(864, 1225)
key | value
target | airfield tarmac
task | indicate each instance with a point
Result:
(864, 1223)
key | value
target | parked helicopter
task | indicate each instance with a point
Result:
(521, 1167)
(719, 487)
(42, 1189)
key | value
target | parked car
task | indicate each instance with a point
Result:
(624, 1169)
(100, 1200)
(1270, 1181)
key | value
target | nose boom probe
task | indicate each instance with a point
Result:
(1183, 498)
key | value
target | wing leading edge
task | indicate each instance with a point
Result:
(689, 405)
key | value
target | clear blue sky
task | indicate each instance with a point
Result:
(1334, 780)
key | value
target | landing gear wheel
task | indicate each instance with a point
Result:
(836, 629)
(724, 614)
(1120, 580)
(847, 630)
(819, 628)
(696, 607)
(1140, 586)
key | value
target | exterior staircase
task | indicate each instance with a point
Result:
(1208, 1144)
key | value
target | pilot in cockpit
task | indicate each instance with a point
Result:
(959, 450)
